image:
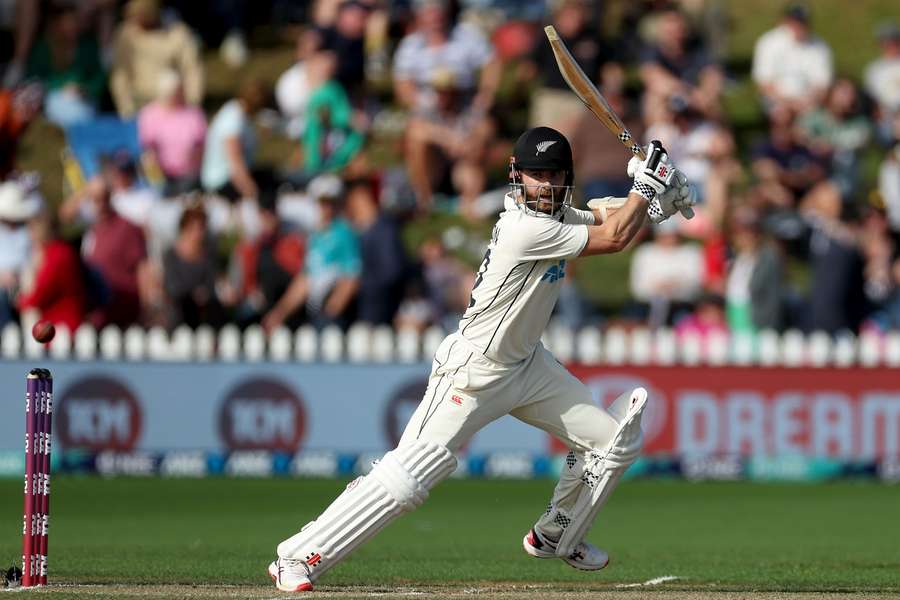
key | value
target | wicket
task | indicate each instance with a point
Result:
(36, 519)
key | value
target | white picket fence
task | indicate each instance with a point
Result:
(364, 344)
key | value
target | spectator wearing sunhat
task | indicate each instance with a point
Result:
(16, 208)
(791, 65)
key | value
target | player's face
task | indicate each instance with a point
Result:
(539, 192)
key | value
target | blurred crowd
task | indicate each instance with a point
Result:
(396, 113)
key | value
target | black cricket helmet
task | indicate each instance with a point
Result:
(542, 148)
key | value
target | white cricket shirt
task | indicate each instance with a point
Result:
(518, 282)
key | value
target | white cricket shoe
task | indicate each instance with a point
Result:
(290, 575)
(586, 557)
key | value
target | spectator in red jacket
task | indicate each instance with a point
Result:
(58, 291)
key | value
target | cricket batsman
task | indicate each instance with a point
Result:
(495, 364)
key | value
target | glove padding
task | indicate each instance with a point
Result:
(680, 196)
(666, 188)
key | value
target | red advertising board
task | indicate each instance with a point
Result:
(835, 413)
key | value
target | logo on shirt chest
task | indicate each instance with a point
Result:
(555, 273)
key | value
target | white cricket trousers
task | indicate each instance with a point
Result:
(466, 391)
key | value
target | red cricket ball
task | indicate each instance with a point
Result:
(43, 331)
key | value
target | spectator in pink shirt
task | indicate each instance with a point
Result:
(174, 132)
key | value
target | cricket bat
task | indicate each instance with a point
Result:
(595, 102)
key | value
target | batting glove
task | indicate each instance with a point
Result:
(666, 188)
(653, 174)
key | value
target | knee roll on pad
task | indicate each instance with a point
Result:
(408, 473)
(398, 484)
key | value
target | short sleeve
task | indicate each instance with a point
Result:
(538, 238)
(231, 122)
(350, 261)
(480, 50)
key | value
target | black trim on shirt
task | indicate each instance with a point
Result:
(533, 265)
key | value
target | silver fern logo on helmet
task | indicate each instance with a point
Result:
(544, 146)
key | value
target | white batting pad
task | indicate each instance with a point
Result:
(586, 482)
(399, 483)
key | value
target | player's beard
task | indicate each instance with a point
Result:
(544, 198)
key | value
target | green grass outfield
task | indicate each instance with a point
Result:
(214, 538)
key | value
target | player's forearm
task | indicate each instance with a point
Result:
(614, 234)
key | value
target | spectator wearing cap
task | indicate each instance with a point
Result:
(329, 281)
(18, 108)
(666, 274)
(792, 66)
(189, 274)
(262, 268)
(230, 149)
(754, 296)
(116, 249)
(384, 263)
(16, 209)
(67, 63)
(882, 81)
(675, 64)
(144, 48)
(57, 291)
(173, 132)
